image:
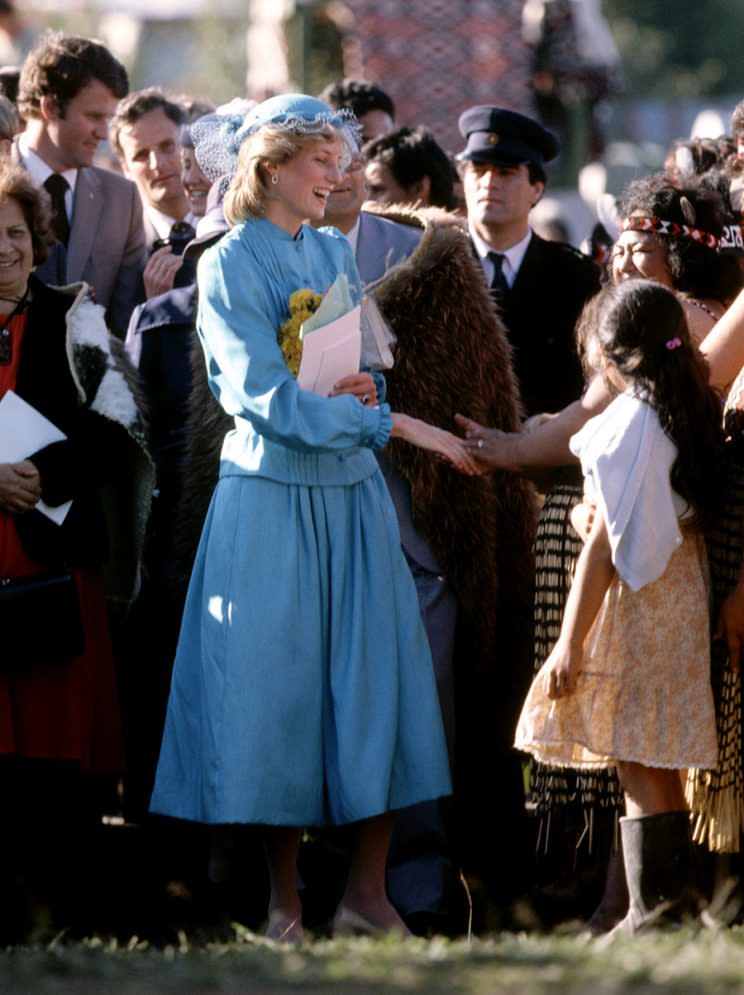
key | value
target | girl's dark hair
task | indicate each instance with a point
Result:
(639, 325)
(695, 269)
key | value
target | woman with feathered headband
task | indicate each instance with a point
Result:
(303, 692)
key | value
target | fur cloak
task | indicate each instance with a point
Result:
(101, 382)
(452, 356)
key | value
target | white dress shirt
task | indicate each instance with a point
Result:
(352, 236)
(513, 257)
(39, 171)
(162, 223)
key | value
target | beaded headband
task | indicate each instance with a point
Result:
(657, 226)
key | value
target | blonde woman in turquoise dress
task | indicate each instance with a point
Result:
(303, 692)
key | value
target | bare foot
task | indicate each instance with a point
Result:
(368, 918)
(284, 926)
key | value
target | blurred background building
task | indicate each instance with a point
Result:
(619, 80)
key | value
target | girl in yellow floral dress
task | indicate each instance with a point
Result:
(628, 682)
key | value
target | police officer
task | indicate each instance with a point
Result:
(541, 287)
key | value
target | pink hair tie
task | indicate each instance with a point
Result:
(673, 343)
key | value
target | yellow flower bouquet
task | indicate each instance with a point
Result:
(302, 304)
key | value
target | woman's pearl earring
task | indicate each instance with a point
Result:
(274, 177)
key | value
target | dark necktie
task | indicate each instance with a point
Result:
(57, 186)
(499, 286)
(178, 238)
(182, 230)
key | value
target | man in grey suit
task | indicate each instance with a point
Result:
(69, 89)
(145, 133)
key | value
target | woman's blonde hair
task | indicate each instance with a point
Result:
(272, 144)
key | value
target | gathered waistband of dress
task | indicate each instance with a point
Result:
(293, 466)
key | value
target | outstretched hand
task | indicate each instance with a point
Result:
(489, 447)
(444, 444)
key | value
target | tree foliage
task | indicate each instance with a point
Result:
(679, 48)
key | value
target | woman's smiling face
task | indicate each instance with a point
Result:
(195, 183)
(16, 250)
(304, 184)
(640, 254)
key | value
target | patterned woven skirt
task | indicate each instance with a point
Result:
(716, 797)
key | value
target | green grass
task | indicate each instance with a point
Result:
(674, 961)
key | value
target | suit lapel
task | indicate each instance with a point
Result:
(151, 235)
(86, 212)
(525, 279)
(377, 249)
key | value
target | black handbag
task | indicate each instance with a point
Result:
(40, 620)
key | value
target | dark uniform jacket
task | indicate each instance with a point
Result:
(540, 312)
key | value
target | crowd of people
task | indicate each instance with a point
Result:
(454, 643)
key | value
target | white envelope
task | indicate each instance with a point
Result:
(331, 352)
(24, 431)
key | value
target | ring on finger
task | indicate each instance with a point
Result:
(365, 398)
(480, 443)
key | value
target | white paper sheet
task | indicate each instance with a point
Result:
(331, 352)
(24, 431)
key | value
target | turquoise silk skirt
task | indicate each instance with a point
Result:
(303, 691)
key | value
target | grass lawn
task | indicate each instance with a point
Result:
(680, 960)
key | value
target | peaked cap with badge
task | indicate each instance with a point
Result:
(504, 137)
